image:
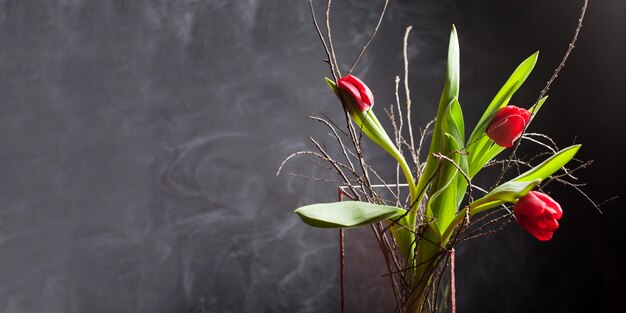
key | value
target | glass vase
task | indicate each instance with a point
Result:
(369, 277)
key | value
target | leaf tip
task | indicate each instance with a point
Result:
(531, 61)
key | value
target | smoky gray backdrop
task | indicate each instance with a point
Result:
(139, 142)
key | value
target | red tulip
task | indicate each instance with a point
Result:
(358, 91)
(538, 214)
(507, 125)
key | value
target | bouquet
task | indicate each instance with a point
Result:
(417, 232)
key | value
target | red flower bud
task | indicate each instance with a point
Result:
(538, 214)
(358, 91)
(507, 125)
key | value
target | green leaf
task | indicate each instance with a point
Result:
(491, 150)
(448, 188)
(535, 108)
(332, 85)
(520, 185)
(516, 187)
(449, 94)
(442, 202)
(507, 192)
(549, 166)
(477, 139)
(453, 122)
(346, 214)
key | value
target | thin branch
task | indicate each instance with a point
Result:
(334, 163)
(407, 92)
(319, 33)
(380, 19)
(326, 180)
(282, 164)
(452, 282)
(539, 143)
(336, 136)
(546, 88)
(398, 132)
(458, 167)
(423, 135)
(554, 145)
(330, 40)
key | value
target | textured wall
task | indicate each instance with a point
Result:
(139, 141)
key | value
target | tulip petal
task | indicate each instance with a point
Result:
(504, 112)
(525, 114)
(551, 224)
(530, 205)
(551, 206)
(353, 87)
(364, 91)
(536, 212)
(353, 93)
(542, 235)
(505, 131)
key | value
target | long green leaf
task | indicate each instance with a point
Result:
(346, 214)
(507, 192)
(449, 94)
(516, 187)
(549, 166)
(519, 186)
(444, 190)
(491, 150)
(477, 139)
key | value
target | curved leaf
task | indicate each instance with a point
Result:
(491, 150)
(549, 166)
(522, 184)
(477, 139)
(507, 192)
(346, 214)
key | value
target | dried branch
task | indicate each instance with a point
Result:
(546, 88)
(282, 164)
(336, 136)
(380, 19)
(326, 180)
(330, 41)
(319, 33)
(407, 92)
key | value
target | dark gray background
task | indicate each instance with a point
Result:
(139, 142)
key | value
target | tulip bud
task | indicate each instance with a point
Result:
(507, 125)
(538, 214)
(359, 93)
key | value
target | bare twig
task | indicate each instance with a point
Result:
(529, 138)
(330, 41)
(335, 165)
(319, 33)
(546, 88)
(458, 167)
(407, 92)
(398, 132)
(326, 180)
(336, 136)
(424, 132)
(380, 19)
(282, 164)
(544, 136)
(452, 282)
